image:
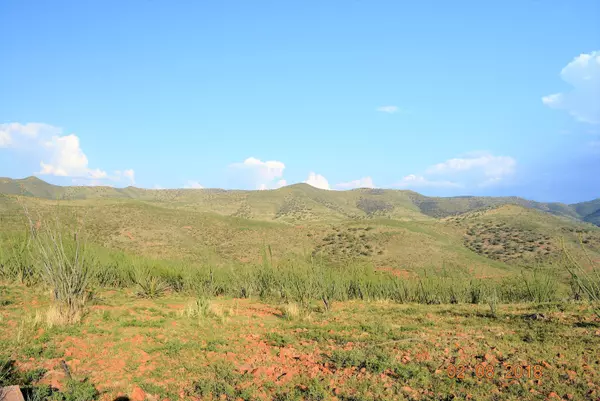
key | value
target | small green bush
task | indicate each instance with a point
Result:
(373, 359)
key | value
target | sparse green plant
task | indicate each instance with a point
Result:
(15, 259)
(7, 372)
(77, 391)
(540, 287)
(290, 311)
(64, 264)
(372, 359)
(277, 340)
(492, 301)
(199, 307)
(220, 381)
(584, 281)
(149, 283)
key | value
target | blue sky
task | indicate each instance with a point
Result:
(445, 98)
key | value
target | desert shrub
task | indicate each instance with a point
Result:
(116, 271)
(374, 206)
(10, 375)
(372, 359)
(475, 292)
(541, 286)
(61, 256)
(290, 311)
(314, 390)
(585, 283)
(277, 340)
(492, 301)
(16, 263)
(219, 381)
(73, 391)
(78, 391)
(201, 308)
(149, 283)
(198, 307)
(8, 372)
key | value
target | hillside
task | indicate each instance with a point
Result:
(393, 230)
(301, 202)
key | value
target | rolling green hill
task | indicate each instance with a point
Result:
(301, 202)
(401, 231)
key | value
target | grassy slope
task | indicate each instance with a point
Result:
(301, 202)
(590, 211)
(125, 341)
(187, 228)
(519, 235)
(392, 229)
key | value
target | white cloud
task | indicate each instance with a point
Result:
(583, 101)
(10, 131)
(97, 173)
(317, 181)
(156, 186)
(193, 185)
(388, 109)
(418, 181)
(66, 158)
(477, 169)
(5, 139)
(281, 183)
(260, 174)
(12, 134)
(365, 182)
(59, 154)
(492, 167)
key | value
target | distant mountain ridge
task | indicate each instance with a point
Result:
(301, 201)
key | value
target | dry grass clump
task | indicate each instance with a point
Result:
(202, 308)
(290, 311)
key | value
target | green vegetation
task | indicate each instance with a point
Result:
(372, 359)
(32, 391)
(300, 201)
(293, 294)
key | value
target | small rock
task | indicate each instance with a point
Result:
(11, 393)
(138, 394)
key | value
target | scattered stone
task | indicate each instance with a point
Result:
(138, 394)
(11, 393)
